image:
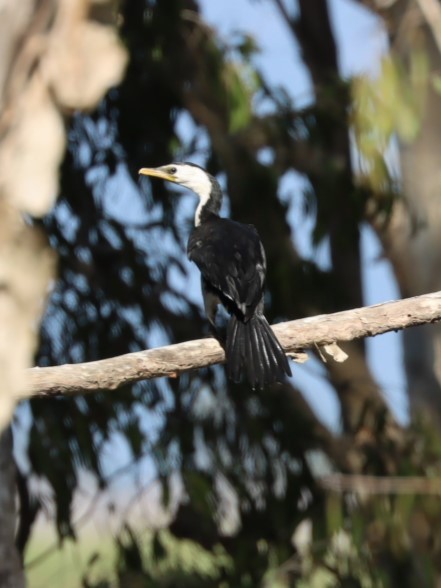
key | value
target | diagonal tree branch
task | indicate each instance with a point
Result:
(109, 374)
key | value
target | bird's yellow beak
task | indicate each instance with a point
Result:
(156, 172)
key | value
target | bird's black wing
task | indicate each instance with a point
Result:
(231, 259)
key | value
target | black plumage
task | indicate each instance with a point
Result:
(231, 259)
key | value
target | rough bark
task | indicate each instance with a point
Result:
(172, 360)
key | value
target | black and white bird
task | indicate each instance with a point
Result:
(231, 259)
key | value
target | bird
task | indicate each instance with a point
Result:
(232, 262)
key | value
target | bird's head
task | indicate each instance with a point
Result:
(194, 178)
(189, 175)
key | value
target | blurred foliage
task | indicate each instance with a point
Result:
(244, 460)
(160, 560)
(390, 105)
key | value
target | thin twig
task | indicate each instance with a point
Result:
(361, 484)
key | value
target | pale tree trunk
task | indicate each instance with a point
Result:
(412, 240)
(421, 171)
(54, 58)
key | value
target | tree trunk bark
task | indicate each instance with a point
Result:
(11, 570)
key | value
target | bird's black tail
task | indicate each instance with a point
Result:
(253, 350)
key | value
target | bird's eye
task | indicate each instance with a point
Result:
(172, 170)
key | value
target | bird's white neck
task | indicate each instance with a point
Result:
(205, 186)
(203, 200)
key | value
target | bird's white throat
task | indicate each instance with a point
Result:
(203, 199)
(198, 182)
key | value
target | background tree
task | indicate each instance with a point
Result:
(40, 42)
(246, 462)
(411, 239)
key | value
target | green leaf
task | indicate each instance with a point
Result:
(334, 513)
